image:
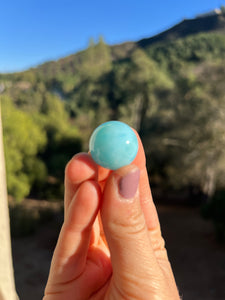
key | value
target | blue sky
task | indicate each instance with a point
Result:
(35, 31)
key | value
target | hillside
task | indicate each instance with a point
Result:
(208, 24)
(168, 87)
(215, 23)
(187, 27)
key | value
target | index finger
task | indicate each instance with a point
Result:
(79, 169)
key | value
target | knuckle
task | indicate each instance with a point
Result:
(133, 225)
(158, 243)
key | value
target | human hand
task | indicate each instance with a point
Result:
(110, 245)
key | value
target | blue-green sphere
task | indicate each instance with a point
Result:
(113, 145)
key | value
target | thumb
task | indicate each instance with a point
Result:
(125, 228)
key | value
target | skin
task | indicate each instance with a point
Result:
(109, 248)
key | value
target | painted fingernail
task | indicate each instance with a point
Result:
(129, 183)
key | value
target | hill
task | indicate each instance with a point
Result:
(212, 23)
(208, 24)
(187, 27)
(169, 87)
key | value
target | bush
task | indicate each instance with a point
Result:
(23, 140)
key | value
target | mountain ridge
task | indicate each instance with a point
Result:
(207, 23)
(214, 23)
(211, 23)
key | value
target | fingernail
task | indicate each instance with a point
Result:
(128, 184)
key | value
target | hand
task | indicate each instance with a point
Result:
(110, 245)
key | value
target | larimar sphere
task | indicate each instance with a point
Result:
(113, 145)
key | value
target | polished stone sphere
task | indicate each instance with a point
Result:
(113, 145)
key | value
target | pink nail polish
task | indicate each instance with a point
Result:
(128, 184)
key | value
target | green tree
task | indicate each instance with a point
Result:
(90, 106)
(194, 140)
(63, 141)
(143, 84)
(23, 139)
(186, 52)
(96, 60)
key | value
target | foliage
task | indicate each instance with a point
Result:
(23, 139)
(135, 85)
(173, 55)
(63, 141)
(37, 148)
(96, 60)
(188, 139)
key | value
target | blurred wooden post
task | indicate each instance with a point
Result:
(7, 284)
